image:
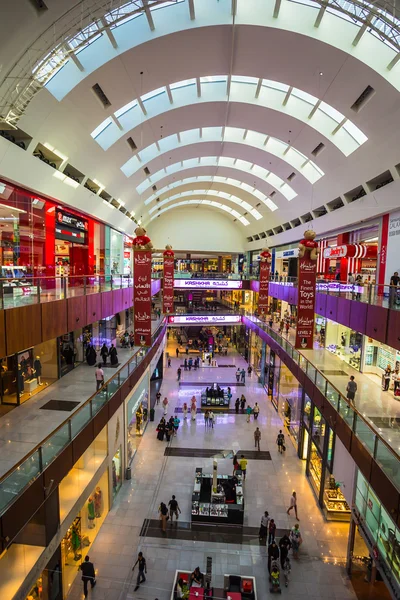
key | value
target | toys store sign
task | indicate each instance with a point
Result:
(71, 221)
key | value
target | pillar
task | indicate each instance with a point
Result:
(342, 240)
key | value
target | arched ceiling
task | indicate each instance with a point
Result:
(248, 104)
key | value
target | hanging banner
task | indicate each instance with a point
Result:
(306, 302)
(265, 269)
(142, 297)
(168, 282)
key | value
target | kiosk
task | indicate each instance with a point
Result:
(223, 503)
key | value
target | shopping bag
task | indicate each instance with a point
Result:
(284, 448)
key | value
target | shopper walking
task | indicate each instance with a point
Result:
(296, 540)
(177, 353)
(386, 378)
(256, 411)
(257, 438)
(293, 504)
(396, 380)
(264, 526)
(273, 554)
(394, 284)
(141, 562)
(243, 466)
(238, 375)
(237, 405)
(206, 419)
(351, 389)
(284, 547)
(104, 353)
(88, 574)
(179, 372)
(174, 509)
(280, 440)
(242, 403)
(163, 512)
(158, 397)
(193, 412)
(249, 410)
(185, 364)
(243, 375)
(99, 377)
(169, 362)
(211, 419)
(235, 463)
(271, 531)
(249, 370)
(165, 405)
(185, 411)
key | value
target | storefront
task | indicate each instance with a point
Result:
(115, 436)
(286, 263)
(83, 531)
(137, 406)
(48, 585)
(377, 357)
(128, 255)
(345, 343)
(320, 330)
(272, 374)
(358, 259)
(289, 403)
(256, 347)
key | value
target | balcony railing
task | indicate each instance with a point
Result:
(29, 468)
(377, 447)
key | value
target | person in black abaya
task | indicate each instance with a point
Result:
(90, 355)
(104, 353)
(113, 355)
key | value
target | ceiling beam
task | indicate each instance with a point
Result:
(191, 10)
(277, 8)
(320, 14)
(169, 94)
(363, 29)
(108, 32)
(148, 15)
(73, 56)
(393, 62)
(286, 99)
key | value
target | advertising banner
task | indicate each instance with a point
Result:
(142, 297)
(265, 268)
(306, 302)
(168, 285)
(208, 284)
(393, 247)
(210, 319)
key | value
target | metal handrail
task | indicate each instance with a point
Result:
(68, 422)
(340, 397)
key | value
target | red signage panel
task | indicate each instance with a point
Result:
(168, 284)
(265, 268)
(306, 302)
(142, 297)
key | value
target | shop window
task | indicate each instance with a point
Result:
(315, 468)
(344, 342)
(81, 474)
(329, 457)
(307, 410)
(116, 467)
(136, 417)
(372, 514)
(83, 530)
(318, 429)
(66, 353)
(335, 505)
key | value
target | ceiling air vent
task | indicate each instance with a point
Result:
(318, 149)
(262, 235)
(154, 188)
(258, 205)
(131, 144)
(363, 98)
(101, 95)
(272, 194)
(39, 6)
(291, 176)
(146, 170)
(157, 199)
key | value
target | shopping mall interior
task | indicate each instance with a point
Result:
(199, 300)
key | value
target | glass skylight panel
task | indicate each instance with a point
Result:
(81, 41)
(124, 109)
(153, 94)
(355, 133)
(214, 79)
(331, 112)
(101, 127)
(275, 85)
(244, 221)
(305, 96)
(244, 79)
(183, 83)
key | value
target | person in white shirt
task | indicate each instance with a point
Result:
(264, 526)
(293, 504)
(99, 377)
(211, 419)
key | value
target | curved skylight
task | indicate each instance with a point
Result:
(206, 203)
(246, 137)
(273, 95)
(212, 194)
(221, 161)
(361, 29)
(239, 185)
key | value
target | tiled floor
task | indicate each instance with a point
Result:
(155, 477)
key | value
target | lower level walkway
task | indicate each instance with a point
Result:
(131, 525)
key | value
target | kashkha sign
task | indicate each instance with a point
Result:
(208, 284)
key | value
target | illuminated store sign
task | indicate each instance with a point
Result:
(70, 227)
(204, 319)
(208, 284)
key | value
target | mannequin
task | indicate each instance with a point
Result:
(98, 502)
(91, 513)
(37, 365)
(75, 542)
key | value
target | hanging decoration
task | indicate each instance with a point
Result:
(142, 287)
(168, 281)
(307, 277)
(265, 268)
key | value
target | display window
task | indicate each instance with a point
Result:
(128, 255)
(116, 252)
(306, 439)
(81, 474)
(83, 531)
(377, 357)
(289, 403)
(320, 330)
(307, 410)
(66, 353)
(116, 474)
(137, 405)
(256, 352)
(335, 505)
(318, 429)
(315, 469)
(345, 343)
(331, 443)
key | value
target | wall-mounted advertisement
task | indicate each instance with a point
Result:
(208, 284)
(393, 246)
(204, 319)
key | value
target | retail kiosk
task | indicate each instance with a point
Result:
(221, 503)
(215, 397)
